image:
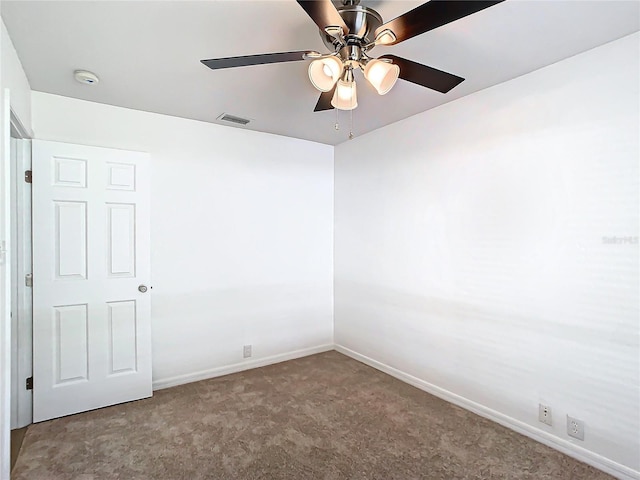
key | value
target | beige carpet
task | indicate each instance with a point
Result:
(17, 436)
(319, 417)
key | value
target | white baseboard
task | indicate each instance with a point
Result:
(237, 367)
(564, 446)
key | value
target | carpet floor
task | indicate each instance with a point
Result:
(320, 417)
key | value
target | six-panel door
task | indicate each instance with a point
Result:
(91, 322)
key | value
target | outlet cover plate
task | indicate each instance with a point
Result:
(544, 414)
(575, 428)
(246, 351)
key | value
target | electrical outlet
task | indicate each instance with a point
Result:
(544, 414)
(246, 351)
(575, 428)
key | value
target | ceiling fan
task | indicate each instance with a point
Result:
(350, 31)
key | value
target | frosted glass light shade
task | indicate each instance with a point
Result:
(382, 75)
(324, 72)
(345, 97)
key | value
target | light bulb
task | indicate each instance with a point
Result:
(382, 75)
(345, 97)
(324, 72)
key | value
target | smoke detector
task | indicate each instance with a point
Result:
(88, 78)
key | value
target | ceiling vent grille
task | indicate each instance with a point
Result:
(233, 119)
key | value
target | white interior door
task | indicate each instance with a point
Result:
(91, 271)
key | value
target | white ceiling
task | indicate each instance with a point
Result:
(147, 55)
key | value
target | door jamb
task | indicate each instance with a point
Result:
(22, 315)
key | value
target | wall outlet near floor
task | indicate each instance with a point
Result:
(246, 351)
(544, 414)
(575, 428)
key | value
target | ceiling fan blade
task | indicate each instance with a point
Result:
(425, 76)
(430, 15)
(324, 102)
(324, 14)
(230, 62)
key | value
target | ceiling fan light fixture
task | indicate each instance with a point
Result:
(324, 72)
(345, 97)
(385, 37)
(347, 32)
(382, 75)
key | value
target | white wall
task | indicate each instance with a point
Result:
(15, 94)
(469, 251)
(241, 232)
(14, 78)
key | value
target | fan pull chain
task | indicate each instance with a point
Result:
(351, 125)
(337, 125)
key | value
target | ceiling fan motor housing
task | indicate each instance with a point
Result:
(362, 23)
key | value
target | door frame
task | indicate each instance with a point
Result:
(9, 124)
(21, 297)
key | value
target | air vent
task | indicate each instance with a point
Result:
(233, 119)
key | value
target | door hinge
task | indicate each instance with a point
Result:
(28, 280)
(29, 383)
(27, 176)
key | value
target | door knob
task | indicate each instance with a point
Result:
(142, 288)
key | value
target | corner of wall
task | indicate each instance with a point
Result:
(14, 78)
